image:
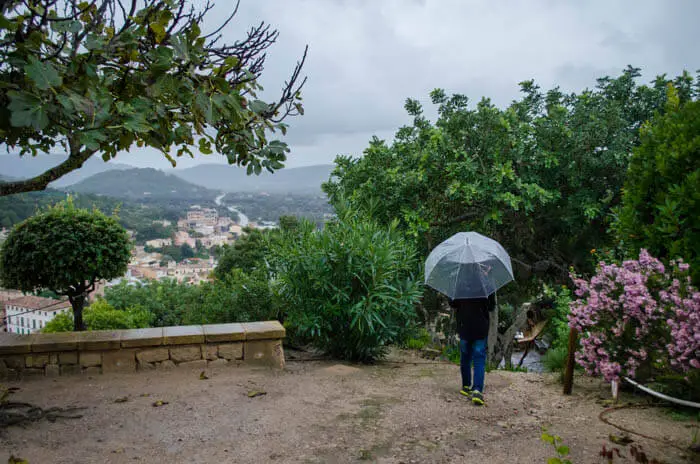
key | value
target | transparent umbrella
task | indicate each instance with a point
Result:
(468, 265)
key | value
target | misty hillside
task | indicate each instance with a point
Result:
(14, 166)
(142, 184)
(234, 179)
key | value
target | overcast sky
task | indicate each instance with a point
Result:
(367, 56)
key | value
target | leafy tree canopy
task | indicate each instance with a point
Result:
(66, 250)
(106, 75)
(540, 176)
(661, 199)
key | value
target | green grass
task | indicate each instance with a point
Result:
(419, 341)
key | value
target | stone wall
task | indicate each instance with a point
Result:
(106, 351)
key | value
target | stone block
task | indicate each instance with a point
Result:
(152, 355)
(211, 352)
(99, 340)
(264, 352)
(146, 366)
(90, 358)
(70, 357)
(263, 330)
(199, 364)
(119, 361)
(32, 372)
(165, 365)
(70, 369)
(52, 370)
(12, 344)
(14, 362)
(141, 337)
(185, 353)
(224, 332)
(231, 350)
(36, 360)
(183, 335)
(49, 342)
(93, 370)
(217, 363)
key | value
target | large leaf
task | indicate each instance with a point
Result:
(27, 111)
(44, 75)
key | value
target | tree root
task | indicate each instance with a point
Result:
(16, 413)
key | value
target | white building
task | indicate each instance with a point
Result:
(159, 242)
(29, 314)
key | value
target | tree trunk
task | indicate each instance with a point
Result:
(493, 337)
(78, 302)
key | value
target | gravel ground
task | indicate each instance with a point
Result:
(318, 411)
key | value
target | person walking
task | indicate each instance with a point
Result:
(473, 317)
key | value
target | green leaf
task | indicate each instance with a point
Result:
(27, 111)
(554, 461)
(547, 438)
(205, 146)
(162, 57)
(258, 106)
(44, 75)
(95, 42)
(158, 31)
(137, 123)
(563, 450)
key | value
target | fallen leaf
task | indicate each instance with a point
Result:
(623, 441)
(123, 399)
(254, 393)
(14, 460)
(203, 376)
(159, 403)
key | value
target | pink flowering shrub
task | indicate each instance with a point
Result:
(640, 313)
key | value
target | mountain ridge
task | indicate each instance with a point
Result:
(141, 184)
(227, 178)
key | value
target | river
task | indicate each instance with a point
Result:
(242, 218)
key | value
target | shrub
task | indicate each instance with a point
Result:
(417, 340)
(100, 315)
(661, 205)
(350, 288)
(640, 314)
(558, 315)
(554, 360)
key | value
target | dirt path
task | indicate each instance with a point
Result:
(322, 412)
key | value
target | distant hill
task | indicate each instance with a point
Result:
(234, 179)
(14, 166)
(142, 184)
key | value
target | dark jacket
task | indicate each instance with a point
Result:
(473, 316)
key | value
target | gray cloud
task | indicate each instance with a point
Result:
(367, 56)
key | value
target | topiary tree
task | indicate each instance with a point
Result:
(105, 75)
(661, 200)
(66, 250)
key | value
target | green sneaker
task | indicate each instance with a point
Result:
(477, 398)
(466, 391)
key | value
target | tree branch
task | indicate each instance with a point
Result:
(41, 181)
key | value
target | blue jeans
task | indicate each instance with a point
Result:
(473, 351)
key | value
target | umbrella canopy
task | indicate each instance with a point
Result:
(468, 265)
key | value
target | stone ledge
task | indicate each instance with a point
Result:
(99, 340)
(233, 332)
(134, 338)
(62, 341)
(68, 353)
(263, 330)
(183, 335)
